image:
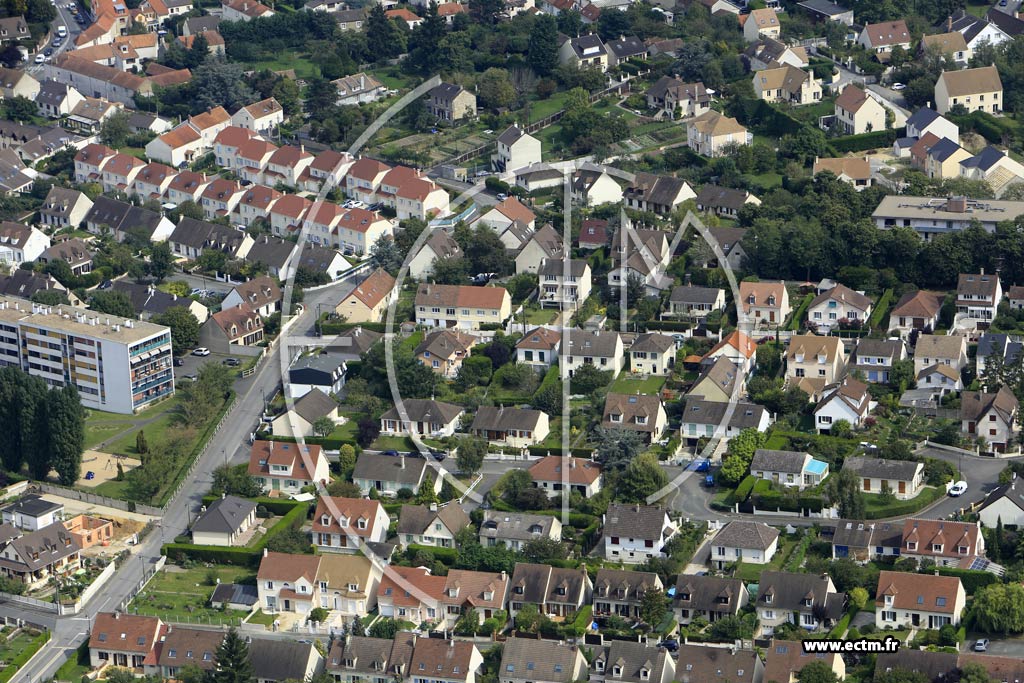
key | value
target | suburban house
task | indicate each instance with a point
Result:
(302, 418)
(542, 244)
(238, 326)
(712, 134)
(703, 418)
(564, 283)
(938, 380)
(788, 468)
(20, 243)
(261, 294)
(856, 112)
(678, 98)
(324, 370)
(224, 521)
(708, 597)
(652, 353)
(718, 381)
(462, 306)
(538, 348)
(990, 417)
(768, 53)
(343, 525)
(838, 306)
(594, 234)
(434, 525)
(862, 541)
(881, 38)
(657, 193)
(766, 304)
(64, 207)
(516, 149)
(34, 558)
(741, 541)
(809, 601)
(904, 478)
(603, 350)
(555, 474)
(698, 664)
(484, 592)
(940, 349)
(369, 301)
(977, 300)
(945, 543)
(512, 427)
(950, 44)
(585, 51)
(787, 84)
(32, 512)
(1005, 503)
(360, 658)
(631, 662)
(439, 245)
(287, 583)
(760, 23)
(918, 311)
(260, 117)
(724, 201)
(635, 533)
(785, 659)
(847, 400)
(874, 358)
(977, 89)
(449, 102)
(695, 302)
(421, 417)
(123, 640)
(641, 413)
(855, 171)
(526, 660)
(918, 600)
(817, 358)
(285, 468)
(621, 591)
(444, 350)
(388, 474)
(594, 187)
(516, 529)
(738, 347)
(555, 591)
(346, 584)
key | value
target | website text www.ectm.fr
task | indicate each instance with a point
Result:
(858, 645)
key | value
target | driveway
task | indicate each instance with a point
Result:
(980, 472)
(1002, 647)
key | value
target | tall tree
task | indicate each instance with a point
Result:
(112, 303)
(486, 11)
(65, 419)
(232, 663)
(425, 54)
(542, 51)
(161, 261)
(383, 34)
(184, 327)
(844, 492)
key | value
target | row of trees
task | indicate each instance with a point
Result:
(45, 428)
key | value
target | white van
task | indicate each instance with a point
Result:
(62, 31)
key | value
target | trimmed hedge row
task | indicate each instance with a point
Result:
(445, 555)
(745, 487)
(324, 442)
(668, 325)
(972, 579)
(773, 500)
(865, 141)
(22, 657)
(546, 450)
(905, 507)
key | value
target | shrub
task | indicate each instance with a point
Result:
(743, 490)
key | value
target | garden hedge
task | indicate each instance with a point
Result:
(250, 557)
(743, 490)
(542, 451)
(325, 442)
(444, 555)
(865, 141)
(972, 579)
(278, 506)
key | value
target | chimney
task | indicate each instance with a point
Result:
(503, 575)
(936, 572)
(949, 24)
(957, 204)
(362, 81)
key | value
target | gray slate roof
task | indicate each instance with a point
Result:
(742, 534)
(388, 468)
(690, 294)
(314, 405)
(516, 526)
(235, 594)
(425, 410)
(778, 461)
(711, 593)
(556, 267)
(634, 521)
(789, 590)
(416, 519)
(699, 411)
(224, 515)
(496, 418)
(881, 468)
(653, 342)
(32, 505)
(278, 660)
(542, 660)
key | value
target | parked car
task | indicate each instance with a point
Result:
(981, 645)
(958, 489)
(201, 351)
(40, 59)
(671, 644)
(178, 362)
(898, 86)
(48, 51)
(438, 455)
(232, 362)
(389, 452)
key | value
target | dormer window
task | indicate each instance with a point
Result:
(768, 598)
(771, 299)
(936, 547)
(362, 523)
(599, 665)
(325, 520)
(808, 602)
(617, 671)
(911, 545)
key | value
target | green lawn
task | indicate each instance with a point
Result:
(76, 666)
(259, 617)
(900, 635)
(540, 109)
(156, 432)
(185, 595)
(10, 648)
(111, 489)
(540, 316)
(626, 384)
(752, 572)
(288, 59)
(392, 443)
(100, 425)
(348, 430)
(876, 509)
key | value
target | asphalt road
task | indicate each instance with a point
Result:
(231, 443)
(66, 19)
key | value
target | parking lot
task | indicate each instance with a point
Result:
(191, 364)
